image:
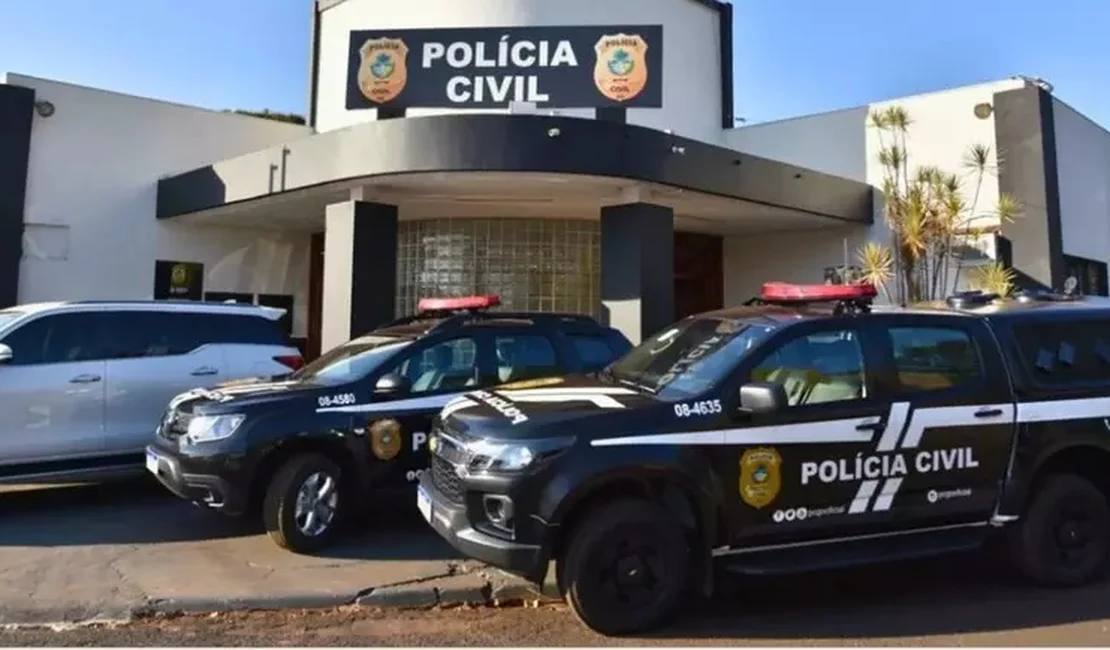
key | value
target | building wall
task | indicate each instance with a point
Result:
(844, 143)
(692, 51)
(89, 218)
(1082, 163)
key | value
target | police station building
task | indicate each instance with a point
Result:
(578, 155)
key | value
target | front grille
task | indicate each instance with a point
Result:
(446, 480)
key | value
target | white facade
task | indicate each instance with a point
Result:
(844, 143)
(691, 51)
(1082, 163)
(90, 230)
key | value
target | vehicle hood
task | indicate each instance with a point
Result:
(244, 393)
(548, 407)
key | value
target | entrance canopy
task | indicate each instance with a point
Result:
(511, 165)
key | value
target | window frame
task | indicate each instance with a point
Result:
(899, 389)
(561, 364)
(483, 357)
(873, 364)
(114, 312)
(98, 335)
(1028, 366)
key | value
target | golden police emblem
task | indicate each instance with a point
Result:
(385, 439)
(179, 275)
(383, 69)
(621, 69)
(760, 476)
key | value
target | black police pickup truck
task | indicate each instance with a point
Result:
(307, 448)
(800, 431)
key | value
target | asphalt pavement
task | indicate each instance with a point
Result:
(76, 553)
(106, 551)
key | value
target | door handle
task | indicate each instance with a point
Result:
(206, 370)
(870, 426)
(988, 413)
(85, 379)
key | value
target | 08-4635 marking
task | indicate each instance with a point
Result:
(704, 407)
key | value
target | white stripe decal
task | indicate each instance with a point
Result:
(863, 496)
(886, 495)
(806, 432)
(894, 426)
(457, 405)
(571, 390)
(951, 416)
(412, 403)
(1068, 409)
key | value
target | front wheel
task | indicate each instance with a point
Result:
(303, 503)
(627, 567)
(1063, 539)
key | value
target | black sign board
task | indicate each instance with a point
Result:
(489, 67)
(178, 280)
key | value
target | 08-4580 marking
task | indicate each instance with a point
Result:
(704, 407)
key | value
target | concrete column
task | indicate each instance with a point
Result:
(637, 268)
(360, 270)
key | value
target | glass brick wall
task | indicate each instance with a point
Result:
(533, 264)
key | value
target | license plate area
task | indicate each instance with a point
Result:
(424, 503)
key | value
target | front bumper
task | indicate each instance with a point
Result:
(212, 481)
(452, 523)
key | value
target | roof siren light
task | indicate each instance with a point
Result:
(783, 292)
(457, 304)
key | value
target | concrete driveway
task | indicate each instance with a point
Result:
(78, 552)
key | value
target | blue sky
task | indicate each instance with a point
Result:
(792, 56)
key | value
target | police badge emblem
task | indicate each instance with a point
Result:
(621, 70)
(179, 275)
(383, 70)
(760, 476)
(385, 439)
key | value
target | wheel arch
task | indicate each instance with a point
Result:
(279, 453)
(679, 493)
(1088, 458)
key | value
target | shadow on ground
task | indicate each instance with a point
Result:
(953, 595)
(140, 511)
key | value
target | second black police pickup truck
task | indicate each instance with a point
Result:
(804, 430)
(309, 447)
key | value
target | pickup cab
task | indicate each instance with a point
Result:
(803, 430)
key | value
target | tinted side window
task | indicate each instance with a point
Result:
(58, 338)
(934, 358)
(448, 365)
(136, 334)
(1057, 353)
(817, 369)
(525, 356)
(593, 350)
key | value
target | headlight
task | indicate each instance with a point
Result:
(209, 428)
(491, 456)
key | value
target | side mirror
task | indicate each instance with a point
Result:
(761, 397)
(5, 353)
(392, 384)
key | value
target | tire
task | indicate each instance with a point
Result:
(589, 562)
(279, 509)
(1063, 540)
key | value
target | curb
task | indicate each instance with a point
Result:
(475, 588)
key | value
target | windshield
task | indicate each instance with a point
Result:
(8, 317)
(351, 361)
(683, 361)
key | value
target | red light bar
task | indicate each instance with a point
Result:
(785, 292)
(453, 304)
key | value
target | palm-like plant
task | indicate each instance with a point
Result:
(992, 278)
(928, 216)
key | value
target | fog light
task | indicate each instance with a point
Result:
(499, 511)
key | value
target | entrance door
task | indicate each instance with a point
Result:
(698, 273)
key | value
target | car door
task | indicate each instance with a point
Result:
(804, 472)
(437, 371)
(960, 418)
(52, 390)
(155, 355)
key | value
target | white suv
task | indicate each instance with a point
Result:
(83, 385)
